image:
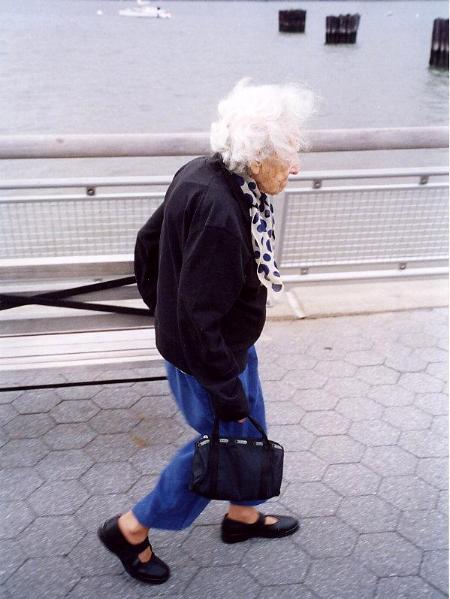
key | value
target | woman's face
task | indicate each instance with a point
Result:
(271, 174)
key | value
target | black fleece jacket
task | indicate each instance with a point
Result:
(210, 304)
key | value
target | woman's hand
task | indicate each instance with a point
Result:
(243, 420)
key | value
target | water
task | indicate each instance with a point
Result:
(64, 69)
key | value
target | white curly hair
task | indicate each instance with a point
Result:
(257, 121)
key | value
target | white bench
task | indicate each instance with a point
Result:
(36, 337)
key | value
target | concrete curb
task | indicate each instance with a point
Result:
(321, 299)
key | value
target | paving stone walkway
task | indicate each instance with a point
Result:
(360, 404)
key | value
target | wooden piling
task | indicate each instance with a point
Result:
(292, 21)
(439, 44)
(341, 29)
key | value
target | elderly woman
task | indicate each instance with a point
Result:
(212, 265)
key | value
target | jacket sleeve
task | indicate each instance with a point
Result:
(146, 253)
(212, 276)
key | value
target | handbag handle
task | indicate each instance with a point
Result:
(256, 424)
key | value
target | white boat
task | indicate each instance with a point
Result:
(142, 9)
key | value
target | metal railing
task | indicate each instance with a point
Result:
(330, 225)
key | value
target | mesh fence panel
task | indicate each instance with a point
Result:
(81, 227)
(361, 226)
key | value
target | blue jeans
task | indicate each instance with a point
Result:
(171, 505)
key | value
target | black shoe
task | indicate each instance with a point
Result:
(155, 571)
(233, 531)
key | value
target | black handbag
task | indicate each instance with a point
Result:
(237, 469)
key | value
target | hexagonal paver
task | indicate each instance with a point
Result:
(420, 382)
(226, 582)
(77, 410)
(7, 413)
(291, 591)
(149, 407)
(390, 460)
(377, 375)
(283, 412)
(311, 499)
(439, 426)
(407, 418)
(442, 503)
(57, 498)
(110, 477)
(431, 354)
(351, 479)
(292, 437)
(295, 362)
(364, 358)
(90, 558)
(326, 537)
(409, 363)
(338, 449)
(323, 350)
(69, 436)
(309, 379)
(16, 515)
(50, 535)
(435, 569)
(22, 452)
(388, 554)
(36, 401)
(303, 466)
(405, 587)
(335, 368)
(438, 370)
(151, 460)
(152, 388)
(78, 392)
(158, 431)
(99, 508)
(28, 426)
(391, 348)
(203, 546)
(434, 471)
(391, 395)
(326, 423)
(43, 577)
(374, 432)
(289, 562)
(118, 397)
(315, 399)
(443, 343)
(359, 408)
(113, 447)
(408, 492)
(435, 404)
(341, 577)
(278, 391)
(426, 529)
(424, 444)
(18, 483)
(114, 421)
(64, 464)
(353, 342)
(142, 487)
(11, 558)
(7, 397)
(169, 546)
(415, 340)
(113, 586)
(347, 387)
(369, 514)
